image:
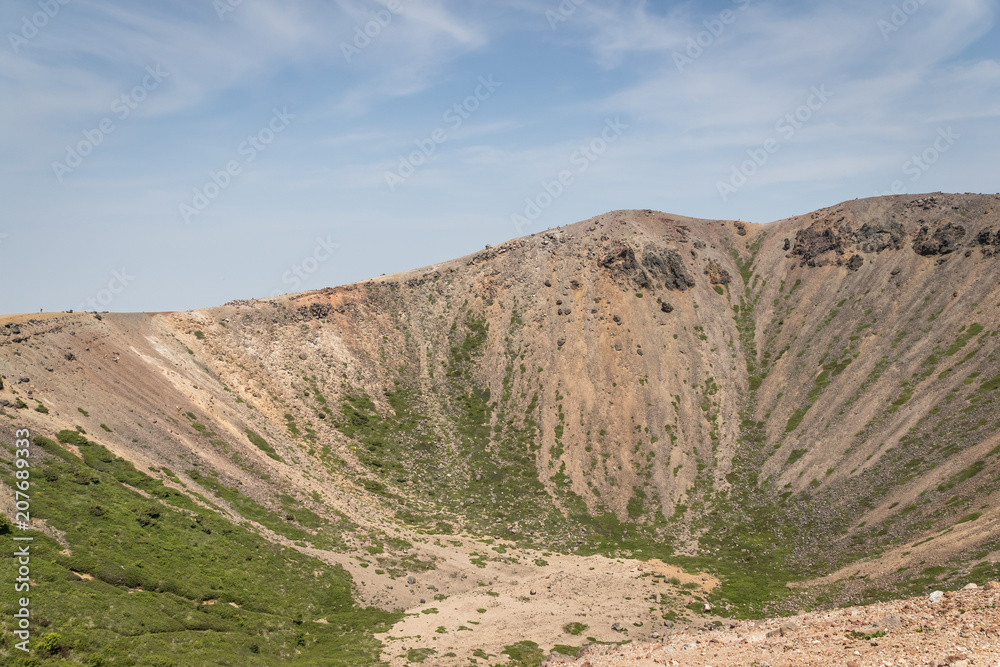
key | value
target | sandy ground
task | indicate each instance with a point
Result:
(527, 595)
(960, 629)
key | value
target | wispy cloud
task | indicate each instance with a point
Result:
(749, 65)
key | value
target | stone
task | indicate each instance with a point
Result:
(992, 585)
(890, 623)
(935, 596)
(970, 587)
(942, 241)
(716, 274)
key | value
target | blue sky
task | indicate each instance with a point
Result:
(184, 154)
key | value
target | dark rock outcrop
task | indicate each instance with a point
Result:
(657, 269)
(942, 241)
(878, 237)
(313, 311)
(668, 268)
(716, 274)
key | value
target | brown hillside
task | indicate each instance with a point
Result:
(810, 400)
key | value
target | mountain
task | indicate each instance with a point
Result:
(803, 409)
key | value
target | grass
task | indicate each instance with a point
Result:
(419, 654)
(524, 654)
(574, 628)
(961, 476)
(263, 445)
(180, 555)
(796, 419)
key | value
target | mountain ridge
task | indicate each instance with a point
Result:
(804, 402)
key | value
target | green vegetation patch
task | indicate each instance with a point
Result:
(263, 445)
(961, 476)
(524, 654)
(419, 654)
(173, 583)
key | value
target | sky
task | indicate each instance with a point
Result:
(171, 156)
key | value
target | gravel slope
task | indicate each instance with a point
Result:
(959, 629)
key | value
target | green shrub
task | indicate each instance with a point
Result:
(50, 643)
(263, 445)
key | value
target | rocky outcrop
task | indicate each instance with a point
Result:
(716, 274)
(823, 237)
(879, 236)
(817, 239)
(941, 241)
(668, 268)
(313, 311)
(989, 242)
(658, 268)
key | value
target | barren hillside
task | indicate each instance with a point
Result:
(499, 444)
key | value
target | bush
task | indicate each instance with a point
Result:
(50, 643)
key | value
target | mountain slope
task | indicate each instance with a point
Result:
(809, 400)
